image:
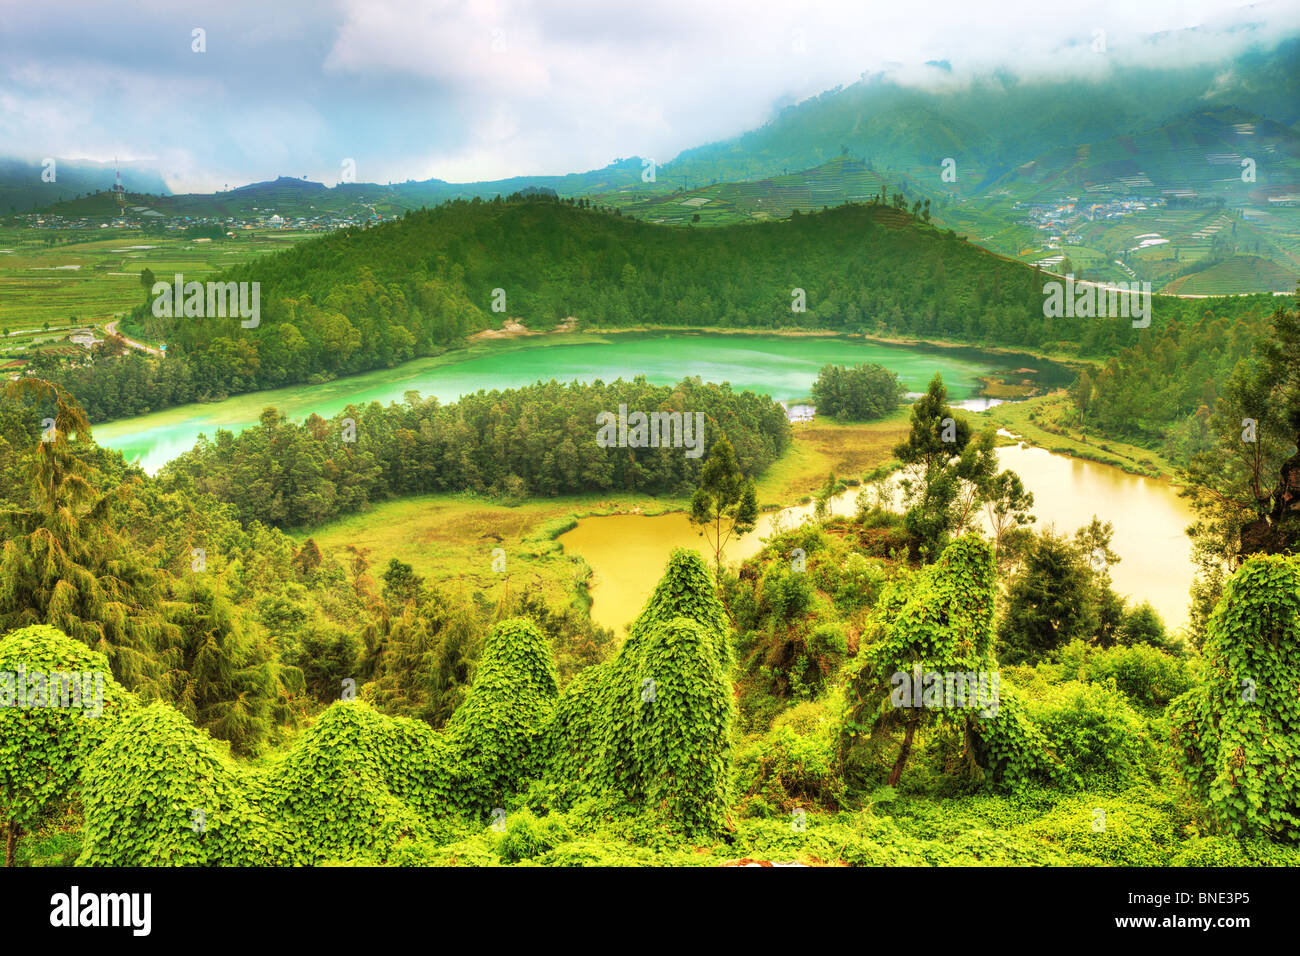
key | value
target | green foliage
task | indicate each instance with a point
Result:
(949, 470)
(230, 678)
(63, 562)
(654, 724)
(358, 783)
(159, 793)
(425, 657)
(786, 593)
(1142, 625)
(526, 837)
(856, 394)
(785, 770)
(357, 300)
(1094, 731)
(1111, 830)
(854, 585)
(939, 621)
(496, 732)
(44, 749)
(1146, 674)
(1237, 735)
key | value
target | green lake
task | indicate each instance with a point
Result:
(781, 366)
(1148, 515)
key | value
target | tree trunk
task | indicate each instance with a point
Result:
(11, 844)
(897, 772)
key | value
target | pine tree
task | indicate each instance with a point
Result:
(724, 505)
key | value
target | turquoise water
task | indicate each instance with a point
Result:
(783, 367)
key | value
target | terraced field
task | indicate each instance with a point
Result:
(85, 278)
(839, 181)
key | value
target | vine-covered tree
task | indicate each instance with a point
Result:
(1236, 734)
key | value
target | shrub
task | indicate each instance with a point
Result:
(159, 793)
(1093, 731)
(527, 837)
(357, 783)
(1147, 675)
(784, 770)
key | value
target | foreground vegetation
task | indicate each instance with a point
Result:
(268, 702)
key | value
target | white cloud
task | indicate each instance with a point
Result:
(481, 89)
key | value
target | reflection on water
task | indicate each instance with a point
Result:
(627, 552)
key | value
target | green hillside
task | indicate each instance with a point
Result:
(355, 300)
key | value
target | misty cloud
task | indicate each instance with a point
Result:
(481, 90)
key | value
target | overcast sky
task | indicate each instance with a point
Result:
(468, 90)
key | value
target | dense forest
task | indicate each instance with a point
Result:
(356, 300)
(538, 440)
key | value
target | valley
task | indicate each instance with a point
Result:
(715, 435)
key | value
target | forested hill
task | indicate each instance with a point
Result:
(364, 299)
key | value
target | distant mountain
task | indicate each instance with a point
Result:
(982, 151)
(1198, 153)
(996, 122)
(290, 197)
(23, 185)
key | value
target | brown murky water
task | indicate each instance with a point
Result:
(628, 552)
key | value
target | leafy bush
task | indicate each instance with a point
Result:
(1093, 731)
(527, 837)
(784, 770)
(1147, 675)
(357, 783)
(159, 793)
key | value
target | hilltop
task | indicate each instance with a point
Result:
(360, 299)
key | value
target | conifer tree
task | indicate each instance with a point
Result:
(64, 564)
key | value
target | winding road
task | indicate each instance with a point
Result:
(111, 329)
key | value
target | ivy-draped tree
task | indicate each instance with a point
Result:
(930, 633)
(1237, 735)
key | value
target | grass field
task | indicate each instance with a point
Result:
(1038, 421)
(452, 537)
(89, 276)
